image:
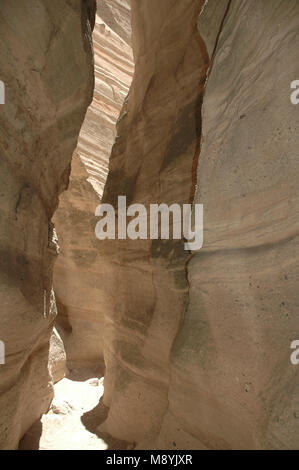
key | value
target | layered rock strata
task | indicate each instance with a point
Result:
(78, 271)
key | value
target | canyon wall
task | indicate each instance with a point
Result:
(233, 351)
(197, 345)
(46, 63)
(153, 160)
(78, 271)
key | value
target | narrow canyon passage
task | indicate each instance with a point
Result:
(61, 428)
(74, 417)
(139, 340)
(76, 351)
(77, 277)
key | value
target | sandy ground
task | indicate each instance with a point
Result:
(73, 418)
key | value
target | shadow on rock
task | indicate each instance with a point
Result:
(30, 441)
(94, 418)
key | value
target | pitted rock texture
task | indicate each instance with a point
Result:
(233, 352)
(198, 349)
(78, 271)
(196, 345)
(47, 67)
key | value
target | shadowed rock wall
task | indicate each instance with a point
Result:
(46, 64)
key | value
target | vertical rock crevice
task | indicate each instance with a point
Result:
(79, 270)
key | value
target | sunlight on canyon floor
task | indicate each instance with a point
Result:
(73, 418)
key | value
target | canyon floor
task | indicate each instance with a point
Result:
(72, 420)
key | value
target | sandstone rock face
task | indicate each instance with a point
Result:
(117, 14)
(78, 271)
(46, 65)
(233, 352)
(145, 285)
(113, 75)
(196, 344)
(198, 348)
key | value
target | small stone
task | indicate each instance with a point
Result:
(94, 382)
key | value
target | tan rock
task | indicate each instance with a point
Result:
(198, 350)
(46, 65)
(117, 14)
(78, 271)
(196, 345)
(145, 286)
(57, 357)
(232, 356)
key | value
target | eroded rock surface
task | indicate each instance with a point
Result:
(233, 352)
(47, 67)
(57, 357)
(145, 284)
(198, 350)
(79, 271)
(197, 345)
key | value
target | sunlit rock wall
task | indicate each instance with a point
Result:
(78, 271)
(198, 348)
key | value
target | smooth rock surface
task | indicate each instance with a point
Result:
(145, 285)
(198, 349)
(46, 65)
(196, 345)
(78, 271)
(233, 353)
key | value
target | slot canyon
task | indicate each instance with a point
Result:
(139, 343)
